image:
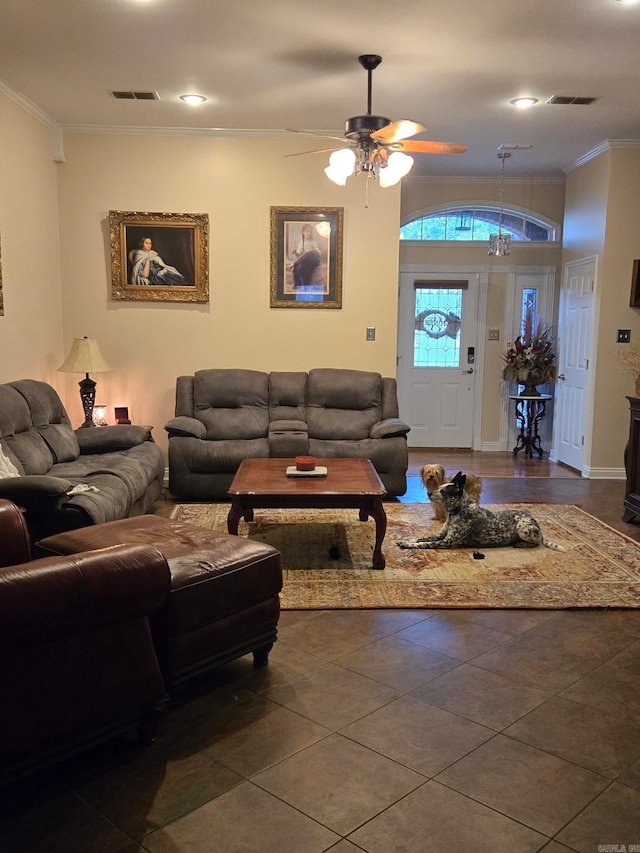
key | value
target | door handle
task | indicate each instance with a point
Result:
(469, 370)
(562, 376)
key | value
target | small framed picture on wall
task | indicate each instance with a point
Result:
(306, 257)
(159, 256)
(635, 285)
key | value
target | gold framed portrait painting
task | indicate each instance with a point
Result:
(159, 256)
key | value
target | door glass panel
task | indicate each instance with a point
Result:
(529, 304)
(438, 321)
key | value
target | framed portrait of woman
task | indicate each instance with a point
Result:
(306, 257)
(159, 256)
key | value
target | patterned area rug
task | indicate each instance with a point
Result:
(326, 558)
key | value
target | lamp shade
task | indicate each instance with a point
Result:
(85, 357)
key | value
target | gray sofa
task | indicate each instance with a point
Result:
(223, 416)
(67, 479)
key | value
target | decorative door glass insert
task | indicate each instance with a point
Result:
(438, 321)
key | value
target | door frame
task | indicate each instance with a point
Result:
(595, 317)
(481, 274)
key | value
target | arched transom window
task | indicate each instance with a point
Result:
(477, 223)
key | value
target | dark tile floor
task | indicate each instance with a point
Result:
(383, 731)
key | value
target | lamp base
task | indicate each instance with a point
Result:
(88, 398)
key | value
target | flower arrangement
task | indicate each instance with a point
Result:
(530, 360)
(628, 358)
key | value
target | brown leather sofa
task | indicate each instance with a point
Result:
(77, 659)
(224, 600)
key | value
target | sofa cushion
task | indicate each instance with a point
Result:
(343, 404)
(7, 467)
(287, 396)
(26, 447)
(49, 418)
(232, 404)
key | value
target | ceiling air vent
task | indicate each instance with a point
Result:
(569, 99)
(136, 96)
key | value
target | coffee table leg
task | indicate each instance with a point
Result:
(235, 514)
(380, 518)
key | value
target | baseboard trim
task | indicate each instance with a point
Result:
(604, 473)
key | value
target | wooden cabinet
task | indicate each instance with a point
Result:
(632, 463)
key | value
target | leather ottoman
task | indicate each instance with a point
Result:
(223, 601)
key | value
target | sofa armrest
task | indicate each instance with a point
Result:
(389, 428)
(55, 597)
(35, 491)
(108, 438)
(186, 427)
(288, 439)
(16, 545)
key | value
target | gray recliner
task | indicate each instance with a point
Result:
(223, 416)
(65, 478)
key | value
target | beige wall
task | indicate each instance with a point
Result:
(603, 211)
(236, 181)
(546, 199)
(56, 270)
(31, 328)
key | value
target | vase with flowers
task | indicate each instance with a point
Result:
(530, 360)
(628, 358)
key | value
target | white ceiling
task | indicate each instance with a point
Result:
(453, 65)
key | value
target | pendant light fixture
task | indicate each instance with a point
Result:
(500, 244)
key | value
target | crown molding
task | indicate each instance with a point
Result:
(480, 179)
(605, 145)
(27, 105)
(35, 111)
(197, 132)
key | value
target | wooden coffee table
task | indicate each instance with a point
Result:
(350, 483)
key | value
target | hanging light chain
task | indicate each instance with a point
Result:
(500, 244)
(502, 155)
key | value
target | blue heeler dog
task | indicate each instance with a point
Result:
(468, 525)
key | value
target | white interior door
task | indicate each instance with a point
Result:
(575, 329)
(437, 323)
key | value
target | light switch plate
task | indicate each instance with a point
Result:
(494, 334)
(624, 336)
(371, 333)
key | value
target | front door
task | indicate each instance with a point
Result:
(436, 358)
(575, 329)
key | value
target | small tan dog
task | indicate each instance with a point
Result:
(434, 476)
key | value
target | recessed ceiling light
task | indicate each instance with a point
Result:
(524, 103)
(193, 99)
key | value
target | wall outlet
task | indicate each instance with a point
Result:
(371, 333)
(494, 334)
(624, 336)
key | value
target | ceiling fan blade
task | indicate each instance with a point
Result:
(315, 151)
(424, 147)
(321, 135)
(397, 130)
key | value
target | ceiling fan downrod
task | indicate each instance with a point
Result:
(369, 62)
(360, 128)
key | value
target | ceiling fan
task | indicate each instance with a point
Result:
(378, 145)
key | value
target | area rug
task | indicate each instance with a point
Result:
(326, 557)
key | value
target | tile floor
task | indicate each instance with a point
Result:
(383, 731)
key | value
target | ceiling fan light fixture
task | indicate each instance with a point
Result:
(398, 165)
(341, 165)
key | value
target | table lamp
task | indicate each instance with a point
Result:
(85, 357)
